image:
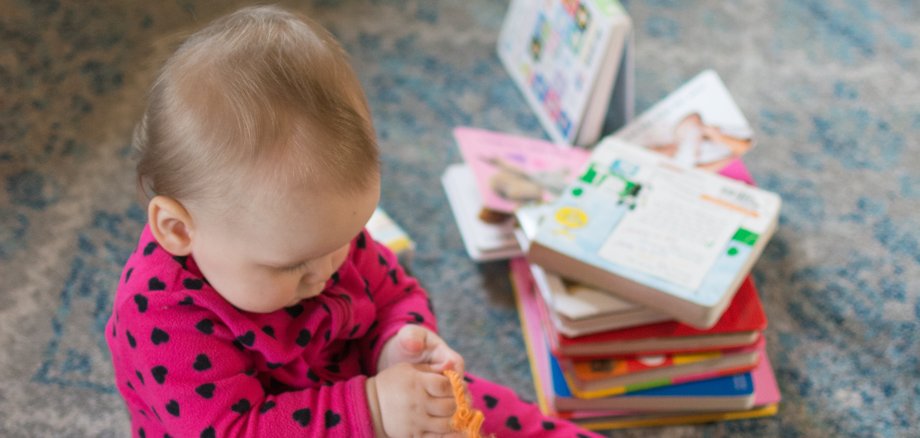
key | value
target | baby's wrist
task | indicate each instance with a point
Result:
(373, 405)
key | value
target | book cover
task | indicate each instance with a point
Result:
(609, 377)
(482, 241)
(616, 228)
(512, 170)
(717, 394)
(698, 125)
(566, 56)
(766, 396)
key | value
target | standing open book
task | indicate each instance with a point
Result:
(572, 60)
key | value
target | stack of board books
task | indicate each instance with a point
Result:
(633, 259)
(651, 375)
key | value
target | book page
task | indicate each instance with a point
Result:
(670, 237)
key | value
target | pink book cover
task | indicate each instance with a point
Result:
(766, 390)
(513, 170)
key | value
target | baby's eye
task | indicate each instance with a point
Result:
(293, 268)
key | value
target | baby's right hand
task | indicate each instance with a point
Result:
(414, 401)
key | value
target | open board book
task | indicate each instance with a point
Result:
(572, 60)
(678, 240)
(698, 125)
(766, 396)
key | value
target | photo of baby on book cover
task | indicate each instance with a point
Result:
(698, 125)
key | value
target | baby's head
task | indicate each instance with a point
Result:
(258, 151)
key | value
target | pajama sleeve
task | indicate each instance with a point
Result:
(198, 379)
(397, 296)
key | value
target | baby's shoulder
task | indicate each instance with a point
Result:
(154, 282)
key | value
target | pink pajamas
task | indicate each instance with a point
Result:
(190, 364)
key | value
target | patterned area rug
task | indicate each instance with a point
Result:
(830, 87)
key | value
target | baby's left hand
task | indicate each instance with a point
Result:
(418, 345)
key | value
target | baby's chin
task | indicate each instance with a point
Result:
(276, 305)
(308, 291)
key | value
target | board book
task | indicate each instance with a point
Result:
(572, 60)
(513, 170)
(483, 241)
(766, 398)
(609, 377)
(674, 239)
(698, 125)
(718, 394)
(578, 310)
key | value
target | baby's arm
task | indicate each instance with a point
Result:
(398, 298)
(195, 377)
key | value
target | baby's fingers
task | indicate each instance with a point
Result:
(436, 425)
(441, 407)
(438, 385)
(446, 358)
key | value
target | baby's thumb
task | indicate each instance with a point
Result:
(412, 340)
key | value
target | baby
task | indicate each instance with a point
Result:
(255, 303)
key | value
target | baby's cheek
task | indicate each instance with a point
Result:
(256, 293)
(340, 257)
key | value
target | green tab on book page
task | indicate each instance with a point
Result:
(746, 237)
(589, 175)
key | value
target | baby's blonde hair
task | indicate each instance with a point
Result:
(261, 93)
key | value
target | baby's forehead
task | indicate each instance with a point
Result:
(296, 222)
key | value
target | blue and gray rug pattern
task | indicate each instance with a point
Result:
(831, 88)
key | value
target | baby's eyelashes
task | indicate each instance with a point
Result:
(293, 268)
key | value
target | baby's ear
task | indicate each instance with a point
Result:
(171, 225)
